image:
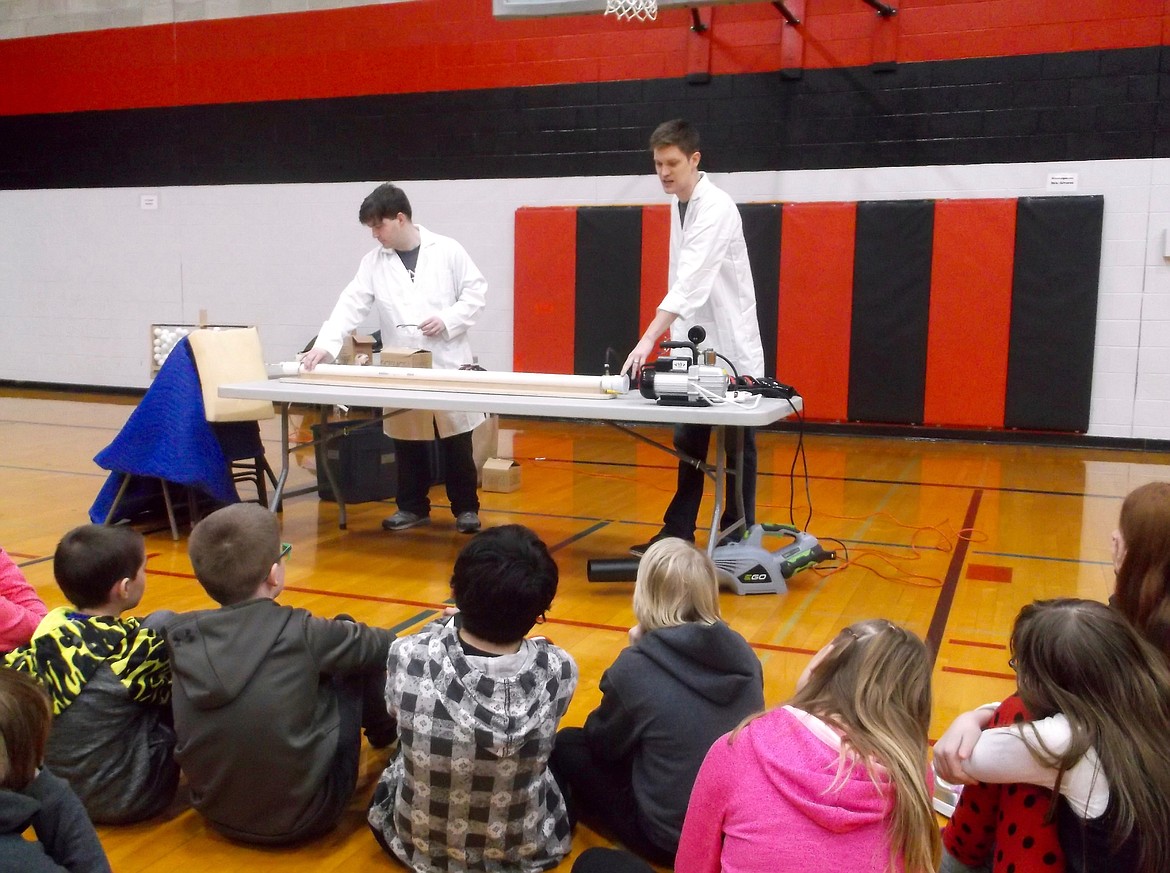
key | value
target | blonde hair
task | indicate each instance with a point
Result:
(874, 686)
(676, 584)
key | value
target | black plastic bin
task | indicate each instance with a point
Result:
(362, 461)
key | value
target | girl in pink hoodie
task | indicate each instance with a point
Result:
(21, 608)
(834, 780)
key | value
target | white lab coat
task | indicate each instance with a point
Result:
(710, 278)
(448, 284)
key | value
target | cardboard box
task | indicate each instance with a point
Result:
(356, 349)
(414, 358)
(501, 474)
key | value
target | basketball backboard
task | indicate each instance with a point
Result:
(545, 8)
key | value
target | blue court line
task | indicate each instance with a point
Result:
(581, 535)
(413, 620)
(31, 561)
(1044, 558)
(812, 477)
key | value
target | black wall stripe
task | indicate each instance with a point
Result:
(1056, 107)
(609, 275)
(1054, 312)
(761, 231)
(891, 307)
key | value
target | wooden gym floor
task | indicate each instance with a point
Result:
(948, 538)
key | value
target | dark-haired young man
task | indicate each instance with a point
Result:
(709, 284)
(427, 292)
(478, 707)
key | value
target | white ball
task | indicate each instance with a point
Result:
(158, 331)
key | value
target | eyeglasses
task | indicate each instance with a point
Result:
(1012, 663)
(285, 550)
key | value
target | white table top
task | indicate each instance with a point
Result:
(632, 407)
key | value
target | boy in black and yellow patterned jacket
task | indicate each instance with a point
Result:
(108, 677)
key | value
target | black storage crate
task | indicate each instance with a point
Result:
(361, 458)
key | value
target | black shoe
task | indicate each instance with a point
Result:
(641, 548)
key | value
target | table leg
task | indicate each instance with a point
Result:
(285, 454)
(342, 519)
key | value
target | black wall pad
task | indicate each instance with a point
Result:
(1054, 312)
(761, 231)
(891, 308)
(609, 278)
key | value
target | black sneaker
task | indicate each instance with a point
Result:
(641, 548)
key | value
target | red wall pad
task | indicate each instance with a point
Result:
(816, 304)
(544, 290)
(970, 312)
(655, 263)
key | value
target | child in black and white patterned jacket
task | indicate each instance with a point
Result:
(478, 706)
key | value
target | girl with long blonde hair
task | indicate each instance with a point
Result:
(833, 780)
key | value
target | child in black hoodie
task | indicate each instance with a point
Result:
(685, 680)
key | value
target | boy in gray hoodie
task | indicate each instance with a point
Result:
(269, 700)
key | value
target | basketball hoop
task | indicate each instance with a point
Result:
(632, 10)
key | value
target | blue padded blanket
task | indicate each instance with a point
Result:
(166, 437)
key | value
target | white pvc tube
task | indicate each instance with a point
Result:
(483, 381)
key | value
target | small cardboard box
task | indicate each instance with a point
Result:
(363, 349)
(356, 349)
(501, 474)
(415, 358)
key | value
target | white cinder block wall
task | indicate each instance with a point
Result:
(85, 272)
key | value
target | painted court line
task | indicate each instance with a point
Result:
(946, 594)
(430, 609)
(1043, 558)
(1011, 677)
(977, 644)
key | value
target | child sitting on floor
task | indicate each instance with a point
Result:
(1002, 828)
(31, 796)
(1098, 701)
(269, 700)
(477, 707)
(21, 608)
(108, 678)
(835, 780)
(686, 679)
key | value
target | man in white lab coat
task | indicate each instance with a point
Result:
(710, 284)
(427, 292)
